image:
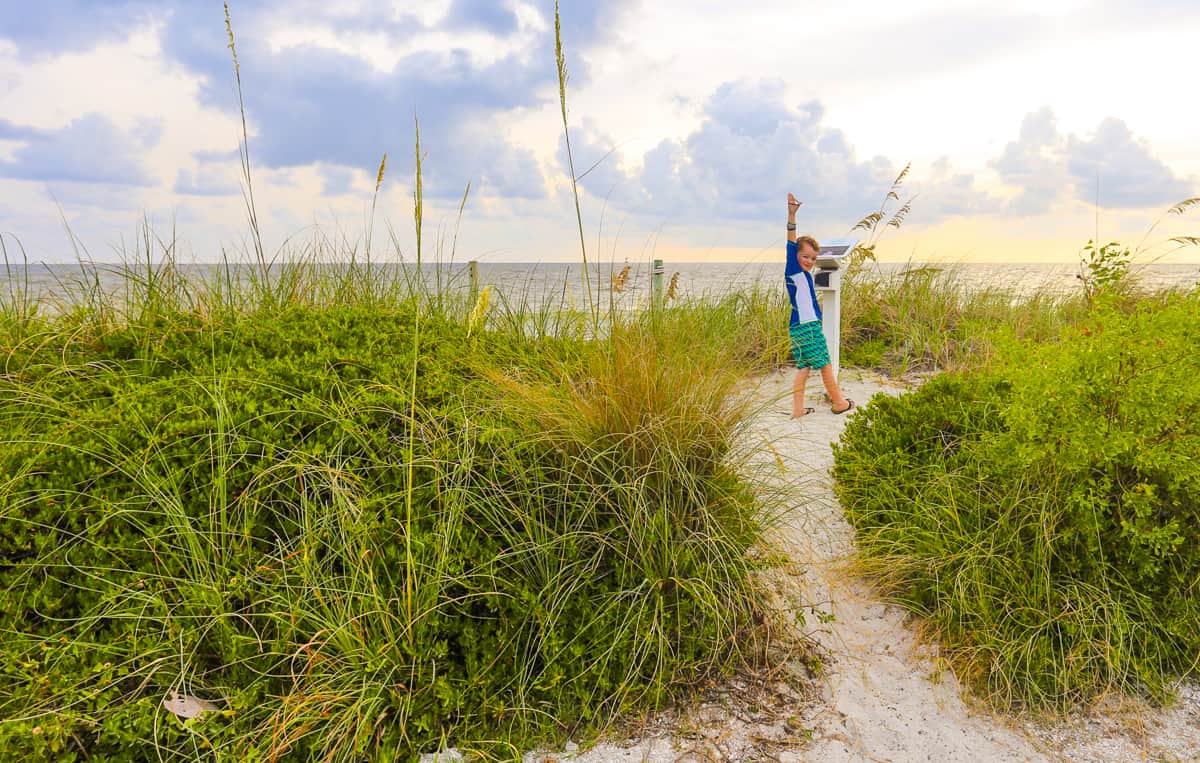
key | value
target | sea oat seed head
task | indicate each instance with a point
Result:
(673, 287)
(232, 46)
(379, 178)
(479, 312)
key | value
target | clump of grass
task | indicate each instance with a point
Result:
(924, 318)
(18, 303)
(927, 318)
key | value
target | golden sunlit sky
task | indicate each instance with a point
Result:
(1029, 126)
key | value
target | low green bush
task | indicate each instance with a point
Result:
(271, 511)
(1044, 513)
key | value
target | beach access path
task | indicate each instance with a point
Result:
(884, 694)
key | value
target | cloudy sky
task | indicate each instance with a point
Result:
(1029, 124)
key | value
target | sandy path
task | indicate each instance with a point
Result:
(884, 697)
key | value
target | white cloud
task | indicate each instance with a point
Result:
(1034, 164)
(1121, 170)
(749, 150)
(1047, 167)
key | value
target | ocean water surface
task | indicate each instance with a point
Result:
(58, 286)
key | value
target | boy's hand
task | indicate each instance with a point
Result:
(793, 203)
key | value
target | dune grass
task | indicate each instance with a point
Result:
(925, 318)
(364, 513)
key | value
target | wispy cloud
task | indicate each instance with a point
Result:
(1034, 164)
(487, 15)
(57, 26)
(207, 180)
(705, 137)
(312, 101)
(91, 149)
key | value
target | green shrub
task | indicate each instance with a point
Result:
(259, 509)
(1044, 514)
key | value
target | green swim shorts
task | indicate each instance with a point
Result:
(808, 345)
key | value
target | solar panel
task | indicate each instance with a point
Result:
(832, 252)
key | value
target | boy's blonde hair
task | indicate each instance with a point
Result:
(810, 241)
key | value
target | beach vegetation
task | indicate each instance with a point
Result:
(1103, 267)
(353, 541)
(1040, 512)
(316, 506)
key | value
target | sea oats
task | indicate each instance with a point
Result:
(232, 47)
(479, 312)
(619, 280)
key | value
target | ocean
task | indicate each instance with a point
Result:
(703, 278)
(56, 286)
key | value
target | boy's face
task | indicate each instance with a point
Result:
(807, 256)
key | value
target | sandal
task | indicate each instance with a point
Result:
(849, 407)
(806, 412)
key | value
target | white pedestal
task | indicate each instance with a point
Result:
(830, 296)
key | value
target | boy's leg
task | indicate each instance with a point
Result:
(836, 398)
(798, 392)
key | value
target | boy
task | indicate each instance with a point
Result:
(808, 340)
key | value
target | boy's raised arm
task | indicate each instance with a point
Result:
(792, 265)
(793, 205)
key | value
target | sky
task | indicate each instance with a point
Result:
(1029, 127)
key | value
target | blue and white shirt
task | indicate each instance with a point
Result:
(800, 289)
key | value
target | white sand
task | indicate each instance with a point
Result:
(885, 697)
(882, 694)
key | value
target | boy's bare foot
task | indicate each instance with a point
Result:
(806, 412)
